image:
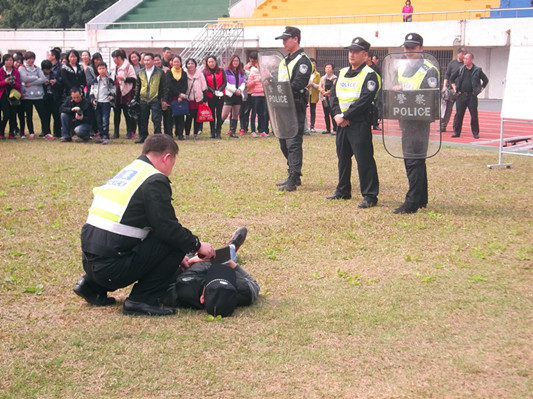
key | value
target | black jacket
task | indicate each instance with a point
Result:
(150, 206)
(479, 79)
(85, 106)
(71, 79)
(175, 87)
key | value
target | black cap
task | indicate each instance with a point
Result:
(413, 40)
(220, 296)
(290, 31)
(358, 44)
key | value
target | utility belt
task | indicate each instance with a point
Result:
(301, 95)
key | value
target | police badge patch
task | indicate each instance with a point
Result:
(371, 85)
(432, 82)
(303, 68)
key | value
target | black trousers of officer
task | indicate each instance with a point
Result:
(292, 148)
(464, 101)
(415, 141)
(356, 140)
(152, 264)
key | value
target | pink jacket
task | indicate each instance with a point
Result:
(196, 85)
(125, 71)
(254, 84)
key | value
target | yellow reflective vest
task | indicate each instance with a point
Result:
(414, 82)
(348, 90)
(285, 71)
(111, 200)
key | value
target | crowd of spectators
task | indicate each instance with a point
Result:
(78, 91)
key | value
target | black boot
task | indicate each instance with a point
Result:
(290, 185)
(233, 128)
(298, 181)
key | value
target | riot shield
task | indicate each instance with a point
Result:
(411, 105)
(278, 94)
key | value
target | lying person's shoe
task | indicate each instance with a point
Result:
(135, 308)
(238, 237)
(94, 298)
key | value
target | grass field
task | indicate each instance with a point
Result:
(353, 304)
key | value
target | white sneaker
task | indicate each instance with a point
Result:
(49, 137)
(32, 136)
(254, 134)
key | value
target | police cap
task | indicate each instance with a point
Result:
(413, 40)
(358, 44)
(290, 31)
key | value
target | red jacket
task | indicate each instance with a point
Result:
(3, 85)
(215, 81)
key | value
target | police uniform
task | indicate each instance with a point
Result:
(132, 235)
(415, 134)
(352, 98)
(296, 68)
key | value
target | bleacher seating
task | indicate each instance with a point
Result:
(176, 10)
(439, 9)
(513, 14)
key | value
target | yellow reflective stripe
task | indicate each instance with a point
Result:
(105, 214)
(283, 73)
(109, 205)
(414, 82)
(118, 228)
(348, 90)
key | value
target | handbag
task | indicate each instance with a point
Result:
(204, 114)
(179, 107)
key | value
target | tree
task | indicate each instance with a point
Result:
(55, 14)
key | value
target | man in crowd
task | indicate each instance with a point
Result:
(468, 82)
(448, 97)
(217, 288)
(132, 234)
(296, 67)
(150, 92)
(167, 57)
(351, 98)
(76, 112)
(416, 74)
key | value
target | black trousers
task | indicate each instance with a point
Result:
(328, 117)
(190, 120)
(215, 104)
(312, 113)
(8, 115)
(292, 148)
(28, 109)
(415, 141)
(146, 108)
(152, 265)
(464, 101)
(131, 124)
(51, 109)
(356, 140)
(244, 113)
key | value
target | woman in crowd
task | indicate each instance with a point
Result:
(216, 84)
(91, 70)
(326, 84)
(85, 59)
(32, 82)
(135, 59)
(176, 80)
(125, 79)
(9, 80)
(18, 109)
(407, 11)
(313, 96)
(72, 73)
(166, 112)
(197, 88)
(234, 90)
(259, 107)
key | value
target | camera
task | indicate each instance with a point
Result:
(79, 113)
(11, 79)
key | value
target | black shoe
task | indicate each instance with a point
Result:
(298, 182)
(404, 208)
(94, 298)
(233, 135)
(290, 186)
(339, 196)
(326, 132)
(376, 128)
(368, 203)
(238, 237)
(476, 136)
(65, 139)
(135, 308)
(455, 135)
(139, 141)
(116, 136)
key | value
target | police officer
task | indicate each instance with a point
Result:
(352, 96)
(132, 234)
(416, 74)
(297, 68)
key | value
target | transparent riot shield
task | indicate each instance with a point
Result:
(278, 94)
(411, 105)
